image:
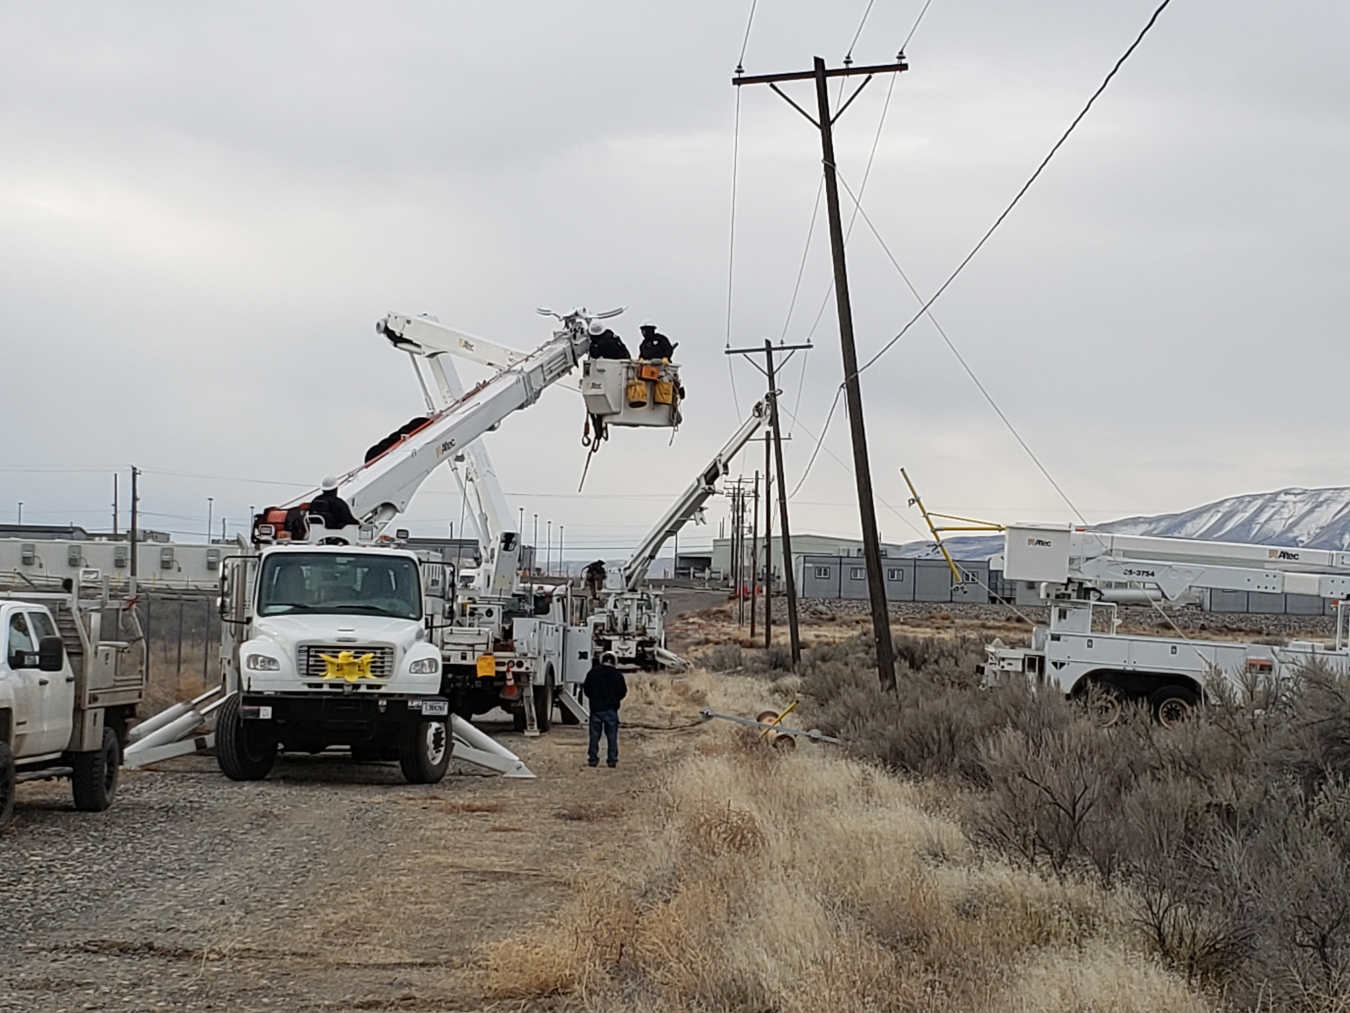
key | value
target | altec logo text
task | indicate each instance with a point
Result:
(1283, 554)
(1040, 543)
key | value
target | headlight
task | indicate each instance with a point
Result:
(425, 666)
(261, 663)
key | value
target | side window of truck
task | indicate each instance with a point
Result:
(42, 626)
(20, 643)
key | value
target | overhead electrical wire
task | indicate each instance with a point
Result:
(1025, 186)
(731, 240)
(959, 357)
(923, 310)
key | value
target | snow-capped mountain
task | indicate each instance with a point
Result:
(1307, 518)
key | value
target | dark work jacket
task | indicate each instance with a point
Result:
(655, 346)
(608, 346)
(604, 687)
(333, 509)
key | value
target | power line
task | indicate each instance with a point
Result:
(1025, 187)
(848, 57)
(915, 27)
(740, 60)
(959, 357)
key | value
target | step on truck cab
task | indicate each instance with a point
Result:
(66, 697)
(327, 645)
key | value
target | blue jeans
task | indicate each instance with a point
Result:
(608, 722)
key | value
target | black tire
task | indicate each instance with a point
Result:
(543, 702)
(424, 749)
(1172, 705)
(245, 750)
(518, 719)
(94, 782)
(7, 785)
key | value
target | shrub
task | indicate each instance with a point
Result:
(1228, 838)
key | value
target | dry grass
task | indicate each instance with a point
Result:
(804, 880)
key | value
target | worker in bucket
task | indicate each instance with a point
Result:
(595, 578)
(605, 344)
(605, 688)
(331, 507)
(655, 345)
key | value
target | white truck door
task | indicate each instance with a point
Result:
(20, 653)
(58, 694)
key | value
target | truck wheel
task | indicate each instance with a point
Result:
(1105, 703)
(94, 782)
(6, 785)
(518, 719)
(245, 750)
(424, 751)
(1172, 705)
(543, 702)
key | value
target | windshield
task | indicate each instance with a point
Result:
(295, 583)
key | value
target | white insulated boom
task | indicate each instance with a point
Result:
(690, 504)
(381, 489)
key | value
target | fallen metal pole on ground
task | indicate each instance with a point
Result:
(813, 734)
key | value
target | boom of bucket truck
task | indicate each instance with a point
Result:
(520, 626)
(515, 643)
(1083, 575)
(335, 636)
(631, 622)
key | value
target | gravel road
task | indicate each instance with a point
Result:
(330, 886)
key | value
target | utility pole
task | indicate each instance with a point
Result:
(789, 581)
(754, 555)
(789, 577)
(114, 504)
(768, 551)
(210, 507)
(135, 519)
(876, 587)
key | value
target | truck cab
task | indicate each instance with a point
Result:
(59, 716)
(329, 648)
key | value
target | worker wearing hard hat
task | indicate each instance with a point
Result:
(605, 344)
(332, 507)
(655, 345)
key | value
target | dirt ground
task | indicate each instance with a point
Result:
(334, 885)
(330, 886)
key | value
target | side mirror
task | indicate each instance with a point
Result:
(51, 654)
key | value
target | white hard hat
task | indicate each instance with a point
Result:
(596, 329)
(329, 483)
(647, 323)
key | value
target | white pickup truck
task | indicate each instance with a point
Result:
(65, 699)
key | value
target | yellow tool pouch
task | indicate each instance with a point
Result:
(665, 392)
(637, 393)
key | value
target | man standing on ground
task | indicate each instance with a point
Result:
(605, 689)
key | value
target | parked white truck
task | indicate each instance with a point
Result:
(66, 696)
(331, 637)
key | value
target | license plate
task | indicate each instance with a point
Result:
(435, 708)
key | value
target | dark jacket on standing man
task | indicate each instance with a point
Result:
(604, 687)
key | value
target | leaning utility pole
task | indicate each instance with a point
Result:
(789, 580)
(876, 586)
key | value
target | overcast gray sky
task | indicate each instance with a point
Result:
(204, 209)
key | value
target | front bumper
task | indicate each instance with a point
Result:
(347, 711)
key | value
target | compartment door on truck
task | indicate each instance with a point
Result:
(31, 736)
(58, 695)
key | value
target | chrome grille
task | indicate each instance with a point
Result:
(312, 664)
